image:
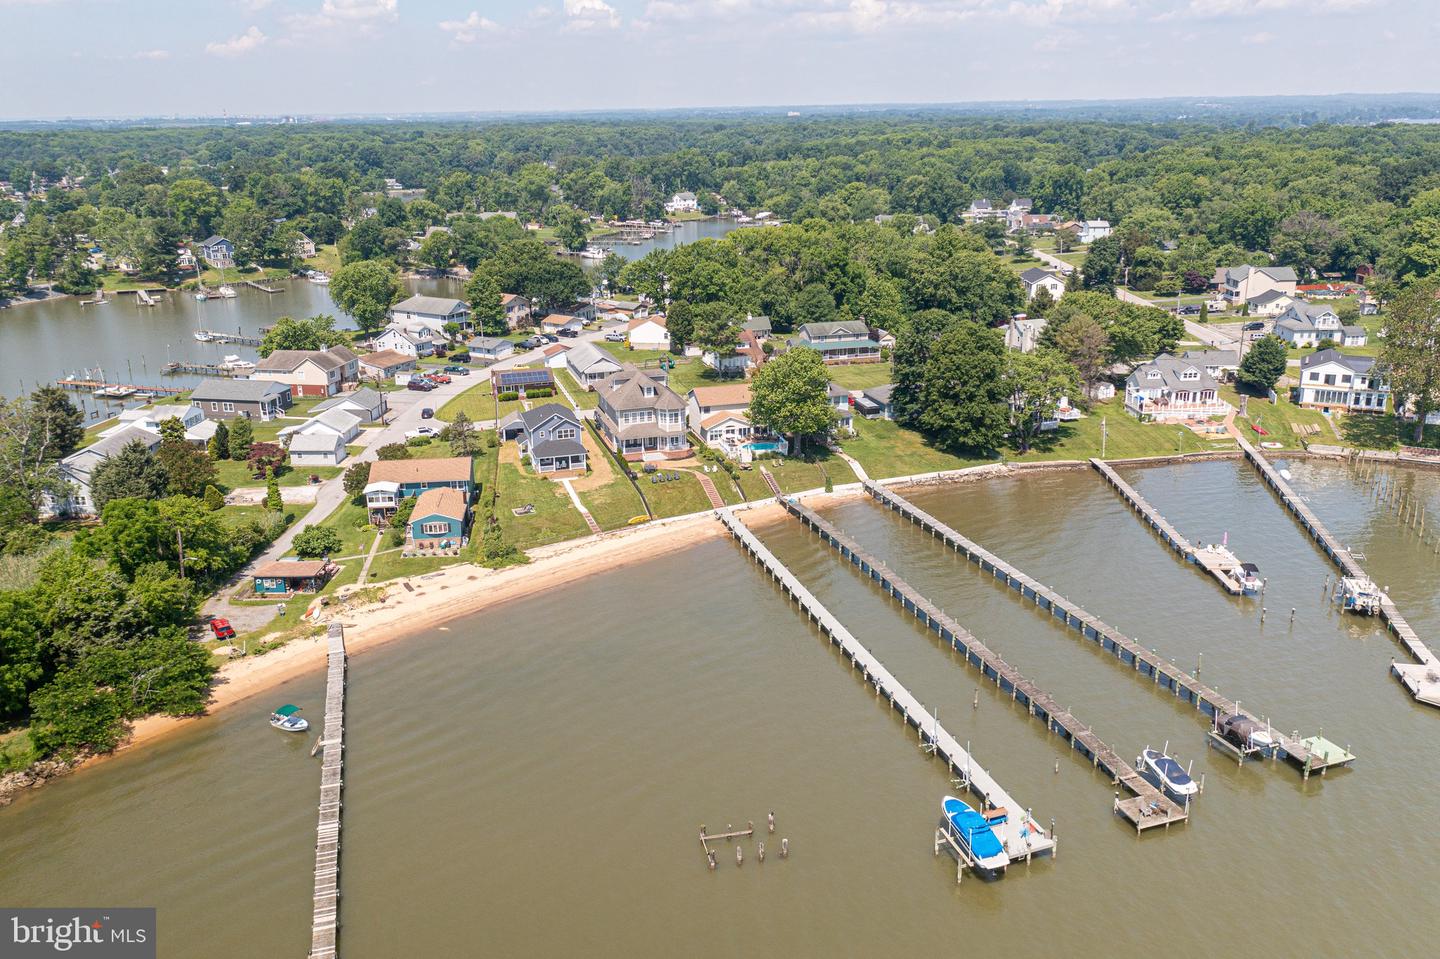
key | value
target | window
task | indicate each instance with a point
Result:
(565, 433)
(435, 529)
(214, 406)
(229, 407)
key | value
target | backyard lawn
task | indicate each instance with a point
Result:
(862, 376)
(885, 449)
(584, 399)
(1384, 432)
(478, 403)
(234, 474)
(796, 475)
(350, 521)
(614, 504)
(1127, 437)
(624, 354)
(1279, 420)
(674, 497)
(555, 517)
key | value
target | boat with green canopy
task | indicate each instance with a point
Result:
(285, 719)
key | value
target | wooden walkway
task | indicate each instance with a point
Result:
(1206, 559)
(1143, 663)
(227, 338)
(1147, 806)
(1022, 836)
(325, 925)
(1422, 679)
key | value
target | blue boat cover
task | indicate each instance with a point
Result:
(974, 831)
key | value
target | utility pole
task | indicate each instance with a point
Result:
(180, 541)
(1104, 435)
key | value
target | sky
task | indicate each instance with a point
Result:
(131, 58)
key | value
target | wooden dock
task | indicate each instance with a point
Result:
(1145, 808)
(84, 383)
(259, 286)
(1142, 662)
(325, 925)
(1206, 559)
(1421, 678)
(178, 368)
(215, 336)
(1022, 836)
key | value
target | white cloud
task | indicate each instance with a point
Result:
(359, 9)
(237, 45)
(150, 55)
(1223, 9)
(590, 15)
(470, 29)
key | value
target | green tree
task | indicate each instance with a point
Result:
(1035, 383)
(486, 307)
(365, 291)
(788, 395)
(680, 324)
(59, 419)
(570, 226)
(214, 499)
(130, 535)
(244, 224)
(1263, 366)
(949, 379)
(242, 437)
(133, 472)
(220, 442)
(815, 304)
(715, 328)
(313, 333)
(1104, 267)
(393, 451)
(71, 713)
(1410, 355)
(21, 668)
(313, 541)
(188, 469)
(437, 250)
(357, 477)
(1085, 346)
(462, 436)
(272, 495)
(195, 205)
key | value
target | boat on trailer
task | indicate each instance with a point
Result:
(975, 834)
(1162, 771)
(286, 720)
(1359, 595)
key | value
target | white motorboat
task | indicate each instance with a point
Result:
(1164, 773)
(286, 720)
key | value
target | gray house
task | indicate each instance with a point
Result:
(230, 399)
(550, 439)
(874, 403)
(490, 348)
(590, 365)
(365, 403)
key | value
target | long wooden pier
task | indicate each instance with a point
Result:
(325, 924)
(1147, 806)
(1021, 835)
(1422, 678)
(83, 383)
(215, 336)
(1143, 662)
(1217, 564)
(260, 286)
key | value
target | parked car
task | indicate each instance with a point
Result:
(419, 383)
(437, 377)
(532, 342)
(1188, 311)
(1257, 325)
(427, 413)
(222, 628)
(615, 336)
(457, 370)
(549, 337)
(420, 431)
(567, 332)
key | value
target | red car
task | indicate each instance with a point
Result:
(222, 628)
(437, 377)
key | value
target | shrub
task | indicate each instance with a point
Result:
(418, 441)
(539, 394)
(391, 451)
(316, 541)
(214, 499)
(507, 396)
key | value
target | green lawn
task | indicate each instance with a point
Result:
(234, 474)
(478, 403)
(326, 258)
(885, 449)
(861, 376)
(1384, 432)
(674, 497)
(395, 564)
(1278, 419)
(1127, 437)
(796, 475)
(584, 399)
(624, 354)
(614, 504)
(555, 517)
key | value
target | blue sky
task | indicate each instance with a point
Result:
(144, 57)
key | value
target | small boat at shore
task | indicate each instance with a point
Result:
(1244, 732)
(285, 720)
(227, 292)
(1164, 773)
(976, 835)
(1359, 595)
(203, 336)
(235, 365)
(592, 252)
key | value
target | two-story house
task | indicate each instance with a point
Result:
(849, 341)
(1169, 388)
(746, 356)
(720, 416)
(1307, 324)
(839, 398)
(218, 252)
(1218, 364)
(517, 310)
(550, 437)
(1092, 230)
(682, 202)
(1023, 333)
(1017, 213)
(641, 417)
(430, 312)
(77, 468)
(394, 480)
(1240, 284)
(406, 340)
(1331, 381)
(322, 372)
(304, 247)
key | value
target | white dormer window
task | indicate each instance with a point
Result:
(1153, 374)
(1190, 375)
(648, 390)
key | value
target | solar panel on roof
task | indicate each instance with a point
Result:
(525, 376)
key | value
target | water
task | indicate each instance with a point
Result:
(686, 231)
(45, 341)
(537, 790)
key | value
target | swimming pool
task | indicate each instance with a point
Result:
(766, 446)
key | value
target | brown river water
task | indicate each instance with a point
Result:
(530, 781)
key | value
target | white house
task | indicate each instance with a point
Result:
(648, 333)
(77, 469)
(1036, 279)
(365, 403)
(431, 312)
(1240, 284)
(1017, 213)
(1170, 388)
(683, 202)
(404, 341)
(590, 365)
(720, 416)
(1306, 324)
(1092, 230)
(1218, 364)
(1270, 303)
(197, 428)
(1023, 333)
(319, 448)
(341, 423)
(1331, 381)
(304, 246)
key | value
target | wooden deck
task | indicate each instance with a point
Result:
(1145, 808)
(325, 925)
(1422, 678)
(1207, 561)
(1022, 835)
(1143, 663)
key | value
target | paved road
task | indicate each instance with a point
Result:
(403, 415)
(1052, 261)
